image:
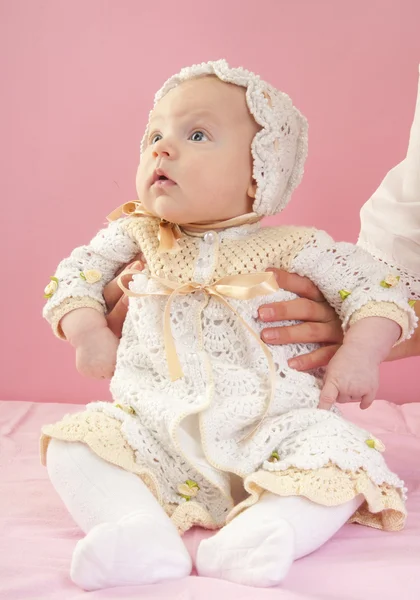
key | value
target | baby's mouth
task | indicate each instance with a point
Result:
(161, 179)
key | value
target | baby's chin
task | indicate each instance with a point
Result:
(170, 209)
(179, 210)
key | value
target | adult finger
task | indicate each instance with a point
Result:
(314, 360)
(112, 292)
(299, 309)
(303, 333)
(301, 286)
(116, 317)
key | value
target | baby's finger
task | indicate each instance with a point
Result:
(329, 394)
(345, 399)
(367, 401)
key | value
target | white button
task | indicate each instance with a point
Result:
(209, 237)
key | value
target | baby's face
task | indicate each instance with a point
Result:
(197, 163)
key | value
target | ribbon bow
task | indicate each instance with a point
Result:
(240, 287)
(169, 233)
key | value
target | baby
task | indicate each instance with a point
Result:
(209, 427)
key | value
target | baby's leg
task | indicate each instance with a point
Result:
(130, 540)
(258, 547)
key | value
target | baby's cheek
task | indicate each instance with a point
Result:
(141, 179)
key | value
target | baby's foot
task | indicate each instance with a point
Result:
(137, 550)
(255, 554)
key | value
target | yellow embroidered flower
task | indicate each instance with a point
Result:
(128, 409)
(274, 457)
(188, 490)
(51, 288)
(344, 294)
(390, 281)
(375, 444)
(91, 275)
(412, 303)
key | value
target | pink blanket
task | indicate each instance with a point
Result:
(38, 536)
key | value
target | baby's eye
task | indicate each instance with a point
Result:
(155, 138)
(198, 136)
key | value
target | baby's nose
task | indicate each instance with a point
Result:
(164, 148)
(160, 152)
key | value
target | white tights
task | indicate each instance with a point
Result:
(131, 541)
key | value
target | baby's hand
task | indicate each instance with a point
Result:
(351, 376)
(96, 353)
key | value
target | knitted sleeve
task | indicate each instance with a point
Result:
(80, 279)
(353, 282)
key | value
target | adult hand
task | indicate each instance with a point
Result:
(116, 301)
(320, 321)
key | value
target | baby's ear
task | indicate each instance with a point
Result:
(252, 188)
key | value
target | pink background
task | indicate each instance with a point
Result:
(78, 79)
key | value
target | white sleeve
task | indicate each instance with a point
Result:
(80, 279)
(353, 282)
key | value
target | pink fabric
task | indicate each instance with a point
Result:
(37, 535)
(78, 78)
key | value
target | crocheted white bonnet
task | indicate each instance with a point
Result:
(279, 149)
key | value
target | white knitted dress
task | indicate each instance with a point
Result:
(185, 438)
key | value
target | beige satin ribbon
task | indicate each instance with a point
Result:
(240, 287)
(170, 233)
